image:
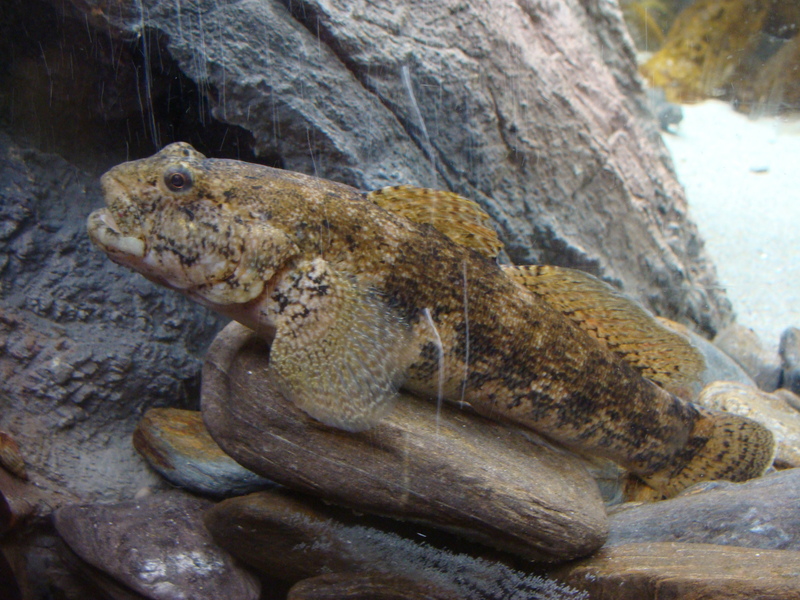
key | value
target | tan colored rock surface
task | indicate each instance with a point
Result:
(770, 410)
(687, 572)
(493, 483)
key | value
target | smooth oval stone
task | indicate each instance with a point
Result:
(761, 513)
(770, 410)
(656, 571)
(178, 446)
(295, 537)
(156, 547)
(491, 483)
(358, 586)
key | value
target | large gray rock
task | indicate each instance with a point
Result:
(533, 109)
(85, 345)
(454, 470)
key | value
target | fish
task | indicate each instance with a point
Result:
(359, 301)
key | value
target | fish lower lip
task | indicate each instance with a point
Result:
(104, 232)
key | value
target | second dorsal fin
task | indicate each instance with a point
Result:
(462, 220)
(618, 323)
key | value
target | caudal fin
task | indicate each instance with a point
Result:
(723, 446)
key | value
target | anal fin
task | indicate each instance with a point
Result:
(338, 352)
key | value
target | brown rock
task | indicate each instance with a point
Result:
(686, 571)
(156, 547)
(356, 586)
(768, 409)
(761, 513)
(495, 484)
(177, 444)
(295, 537)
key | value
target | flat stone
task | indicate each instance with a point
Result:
(746, 348)
(770, 410)
(491, 483)
(761, 513)
(661, 571)
(178, 446)
(295, 537)
(156, 547)
(789, 351)
(353, 586)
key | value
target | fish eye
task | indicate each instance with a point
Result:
(178, 179)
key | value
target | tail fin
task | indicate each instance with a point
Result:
(722, 446)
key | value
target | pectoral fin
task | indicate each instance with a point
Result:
(338, 353)
(618, 323)
(462, 220)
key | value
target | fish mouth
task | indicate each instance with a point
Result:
(104, 230)
(105, 233)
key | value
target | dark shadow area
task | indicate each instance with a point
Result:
(98, 99)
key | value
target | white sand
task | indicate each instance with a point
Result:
(742, 180)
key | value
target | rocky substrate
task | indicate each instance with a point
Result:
(432, 503)
(535, 112)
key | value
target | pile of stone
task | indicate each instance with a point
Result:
(428, 504)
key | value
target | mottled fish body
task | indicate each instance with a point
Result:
(360, 300)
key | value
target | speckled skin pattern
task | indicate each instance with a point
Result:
(348, 292)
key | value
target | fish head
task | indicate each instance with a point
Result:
(174, 218)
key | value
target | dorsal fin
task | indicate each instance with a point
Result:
(462, 220)
(618, 323)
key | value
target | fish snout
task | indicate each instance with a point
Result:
(104, 233)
